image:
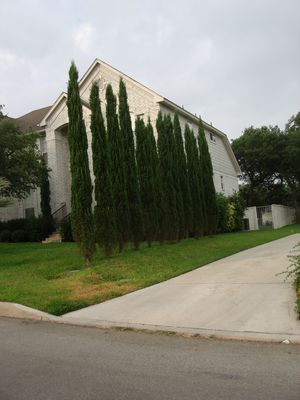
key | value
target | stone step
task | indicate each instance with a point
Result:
(53, 238)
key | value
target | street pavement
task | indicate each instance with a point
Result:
(49, 361)
(241, 295)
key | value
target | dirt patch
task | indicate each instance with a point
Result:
(101, 292)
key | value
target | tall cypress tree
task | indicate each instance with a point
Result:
(209, 192)
(184, 193)
(45, 199)
(81, 186)
(159, 198)
(192, 157)
(118, 171)
(165, 143)
(146, 175)
(133, 195)
(104, 213)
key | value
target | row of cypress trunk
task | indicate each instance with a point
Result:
(144, 189)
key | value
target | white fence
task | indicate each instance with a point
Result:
(274, 216)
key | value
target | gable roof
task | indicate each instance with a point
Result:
(31, 119)
(160, 99)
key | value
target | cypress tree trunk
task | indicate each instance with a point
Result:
(209, 192)
(184, 193)
(192, 157)
(118, 171)
(81, 186)
(144, 157)
(104, 212)
(165, 143)
(133, 195)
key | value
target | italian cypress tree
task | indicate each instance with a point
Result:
(45, 199)
(209, 192)
(133, 195)
(81, 186)
(104, 213)
(184, 193)
(192, 157)
(159, 198)
(144, 157)
(165, 143)
(118, 174)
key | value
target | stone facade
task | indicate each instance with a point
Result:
(143, 102)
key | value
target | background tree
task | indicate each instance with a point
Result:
(147, 179)
(118, 172)
(104, 212)
(81, 186)
(209, 191)
(183, 181)
(192, 156)
(165, 144)
(134, 203)
(20, 160)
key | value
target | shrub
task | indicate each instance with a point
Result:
(230, 212)
(20, 235)
(5, 236)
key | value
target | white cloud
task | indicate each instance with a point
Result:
(83, 37)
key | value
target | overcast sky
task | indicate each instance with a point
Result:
(234, 62)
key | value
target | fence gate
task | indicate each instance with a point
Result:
(264, 217)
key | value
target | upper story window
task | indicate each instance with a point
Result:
(222, 183)
(212, 137)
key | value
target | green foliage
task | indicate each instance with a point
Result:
(104, 211)
(36, 229)
(183, 194)
(116, 145)
(81, 186)
(165, 144)
(45, 191)
(195, 182)
(19, 235)
(134, 201)
(209, 192)
(230, 212)
(145, 149)
(5, 235)
(20, 161)
(66, 229)
(269, 159)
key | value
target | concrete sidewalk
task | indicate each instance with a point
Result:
(240, 295)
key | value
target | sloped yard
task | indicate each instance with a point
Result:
(52, 277)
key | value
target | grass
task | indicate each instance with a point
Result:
(52, 277)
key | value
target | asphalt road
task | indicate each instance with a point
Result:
(50, 361)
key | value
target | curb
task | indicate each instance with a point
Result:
(18, 311)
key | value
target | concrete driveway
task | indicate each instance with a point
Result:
(239, 294)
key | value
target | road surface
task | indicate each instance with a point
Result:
(48, 361)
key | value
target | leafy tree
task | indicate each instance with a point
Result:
(165, 144)
(209, 191)
(184, 192)
(20, 160)
(118, 172)
(104, 212)
(147, 178)
(81, 186)
(134, 203)
(192, 156)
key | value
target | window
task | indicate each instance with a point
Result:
(222, 183)
(29, 212)
(45, 157)
(212, 137)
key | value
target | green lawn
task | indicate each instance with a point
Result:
(51, 277)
